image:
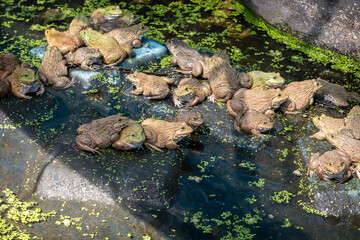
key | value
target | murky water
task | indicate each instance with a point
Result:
(227, 181)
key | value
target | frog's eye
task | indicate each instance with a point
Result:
(342, 164)
(113, 8)
(274, 77)
(186, 89)
(133, 135)
(279, 95)
(25, 75)
(264, 122)
(330, 164)
(182, 128)
(318, 118)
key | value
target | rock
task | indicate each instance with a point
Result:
(328, 24)
(327, 197)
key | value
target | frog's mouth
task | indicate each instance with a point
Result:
(336, 177)
(30, 87)
(111, 17)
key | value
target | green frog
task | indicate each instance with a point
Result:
(53, 70)
(264, 80)
(124, 21)
(333, 164)
(101, 15)
(191, 92)
(109, 48)
(131, 137)
(23, 80)
(163, 134)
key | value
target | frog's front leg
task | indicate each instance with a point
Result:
(137, 91)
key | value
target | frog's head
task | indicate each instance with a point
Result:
(131, 18)
(112, 12)
(183, 130)
(278, 98)
(274, 80)
(86, 34)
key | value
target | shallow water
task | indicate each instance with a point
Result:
(225, 180)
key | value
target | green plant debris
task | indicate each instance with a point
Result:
(282, 196)
(13, 211)
(259, 184)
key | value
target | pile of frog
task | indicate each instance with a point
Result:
(251, 97)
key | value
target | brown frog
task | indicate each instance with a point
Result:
(356, 169)
(345, 141)
(301, 95)
(191, 91)
(332, 165)
(102, 15)
(188, 59)
(352, 121)
(131, 137)
(124, 21)
(63, 40)
(337, 94)
(80, 22)
(100, 133)
(151, 86)
(192, 118)
(86, 57)
(53, 70)
(164, 134)
(109, 48)
(224, 80)
(264, 80)
(5, 88)
(23, 80)
(253, 122)
(129, 37)
(261, 100)
(8, 62)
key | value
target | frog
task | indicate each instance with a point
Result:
(344, 140)
(124, 21)
(102, 15)
(352, 121)
(86, 57)
(253, 122)
(113, 54)
(63, 40)
(51, 15)
(356, 169)
(129, 37)
(8, 63)
(301, 95)
(262, 100)
(337, 94)
(332, 165)
(191, 92)
(151, 86)
(23, 80)
(264, 80)
(327, 125)
(163, 134)
(53, 70)
(224, 80)
(80, 22)
(188, 59)
(100, 133)
(5, 88)
(131, 137)
(193, 119)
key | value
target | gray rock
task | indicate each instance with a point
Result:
(332, 199)
(328, 24)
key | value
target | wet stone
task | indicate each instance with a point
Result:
(139, 180)
(326, 197)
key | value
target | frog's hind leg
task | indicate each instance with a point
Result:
(152, 147)
(83, 142)
(63, 83)
(159, 96)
